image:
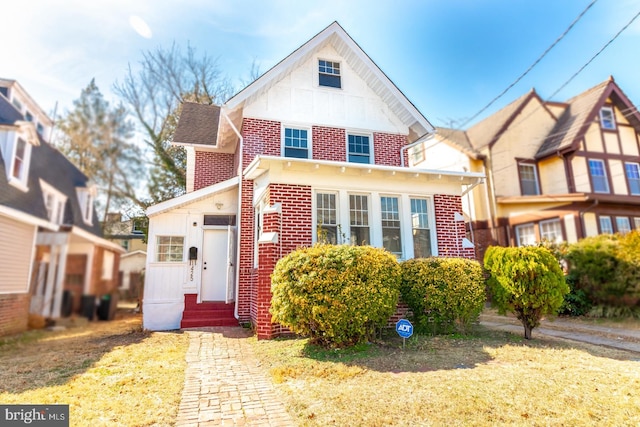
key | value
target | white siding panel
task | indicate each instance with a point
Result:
(16, 251)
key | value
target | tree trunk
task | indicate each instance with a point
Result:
(527, 330)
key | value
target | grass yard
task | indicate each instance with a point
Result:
(110, 373)
(492, 378)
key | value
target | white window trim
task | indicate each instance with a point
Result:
(535, 176)
(184, 242)
(300, 127)
(317, 72)
(613, 118)
(258, 221)
(627, 178)
(431, 215)
(606, 178)
(314, 218)
(59, 201)
(548, 221)
(9, 154)
(372, 157)
(86, 198)
(521, 226)
(402, 225)
(600, 218)
(624, 218)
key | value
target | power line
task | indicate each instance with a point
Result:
(575, 21)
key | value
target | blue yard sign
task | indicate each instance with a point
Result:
(404, 328)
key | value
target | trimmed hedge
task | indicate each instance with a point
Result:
(444, 294)
(526, 281)
(336, 294)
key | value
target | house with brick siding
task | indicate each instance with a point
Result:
(556, 171)
(52, 253)
(314, 149)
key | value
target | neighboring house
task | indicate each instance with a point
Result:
(130, 235)
(316, 147)
(51, 250)
(556, 171)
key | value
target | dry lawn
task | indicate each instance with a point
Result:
(492, 378)
(110, 373)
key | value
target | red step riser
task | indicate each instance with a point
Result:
(193, 323)
(191, 315)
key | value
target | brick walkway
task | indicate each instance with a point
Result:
(224, 385)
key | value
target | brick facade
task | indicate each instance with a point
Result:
(212, 168)
(450, 232)
(387, 148)
(14, 313)
(329, 144)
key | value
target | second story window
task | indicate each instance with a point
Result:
(607, 119)
(528, 179)
(329, 74)
(598, 175)
(54, 202)
(296, 143)
(19, 159)
(359, 150)
(632, 171)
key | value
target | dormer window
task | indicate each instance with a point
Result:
(86, 197)
(17, 156)
(607, 119)
(54, 202)
(329, 74)
(19, 159)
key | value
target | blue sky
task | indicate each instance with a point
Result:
(450, 58)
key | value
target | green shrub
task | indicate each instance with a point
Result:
(526, 281)
(337, 295)
(607, 269)
(443, 293)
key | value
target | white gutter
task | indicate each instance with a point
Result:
(27, 219)
(413, 144)
(239, 215)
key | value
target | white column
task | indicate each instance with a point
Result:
(59, 287)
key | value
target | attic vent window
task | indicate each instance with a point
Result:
(329, 74)
(607, 119)
(220, 220)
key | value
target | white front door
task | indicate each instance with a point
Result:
(215, 265)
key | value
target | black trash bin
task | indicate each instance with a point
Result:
(67, 303)
(104, 307)
(88, 306)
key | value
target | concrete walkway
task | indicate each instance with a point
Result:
(621, 339)
(224, 384)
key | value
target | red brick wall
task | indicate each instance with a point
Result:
(329, 144)
(247, 274)
(386, 148)
(14, 313)
(450, 233)
(260, 137)
(212, 168)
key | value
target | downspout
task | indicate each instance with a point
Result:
(239, 216)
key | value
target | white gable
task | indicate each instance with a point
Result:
(298, 98)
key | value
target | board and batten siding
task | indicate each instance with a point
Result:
(16, 251)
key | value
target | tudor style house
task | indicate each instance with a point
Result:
(316, 148)
(51, 250)
(556, 171)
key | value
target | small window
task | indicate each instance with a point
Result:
(125, 245)
(169, 248)
(607, 119)
(327, 218)
(391, 236)
(28, 116)
(54, 203)
(420, 228)
(19, 159)
(17, 104)
(636, 223)
(417, 154)
(329, 74)
(606, 226)
(220, 220)
(40, 129)
(108, 260)
(598, 176)
(528, 179)
(139, 225)
(359, 149)
(526, 235)
(359, 219)
(623, 225)
(551, 231)
(633, 177)
(296, 143)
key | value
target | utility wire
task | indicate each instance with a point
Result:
(575, 21)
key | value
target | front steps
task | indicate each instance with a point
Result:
(206, 313)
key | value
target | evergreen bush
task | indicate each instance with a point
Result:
(336, 294)
(444, 294)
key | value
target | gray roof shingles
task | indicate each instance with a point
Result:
(198, 124)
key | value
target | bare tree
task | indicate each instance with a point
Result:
(97, 139)
(154, 93)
